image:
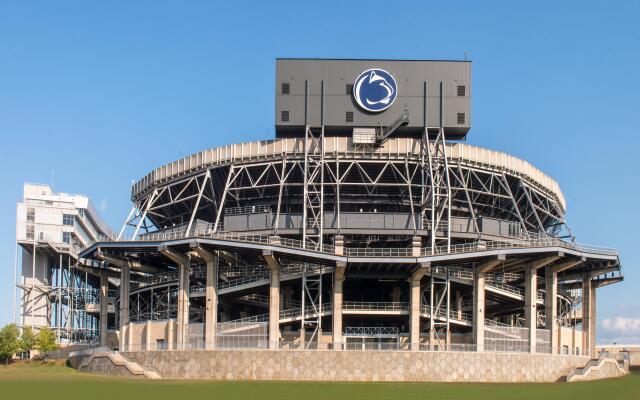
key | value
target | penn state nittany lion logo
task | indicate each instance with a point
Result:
(375, 90)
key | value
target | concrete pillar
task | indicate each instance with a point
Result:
(414, 313)
(147, 336)
(530, 299)
(211, 311)
(104, 307)
(338, 245)
(551, 309)
(338, 281)
(459, 304)
(124, 304)
(274, 307)
(416, 245)
(588, 316)
(478, 310)
(130, 338)
(170, 334)
(183, 305)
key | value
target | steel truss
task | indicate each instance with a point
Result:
(313, 210)
(431, 188)
(437, 296)
(311, 301)
(65, 296)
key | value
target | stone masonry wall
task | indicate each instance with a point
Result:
(356, 365)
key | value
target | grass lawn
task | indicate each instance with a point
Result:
(56, 381)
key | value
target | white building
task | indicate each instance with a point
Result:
(51, 228)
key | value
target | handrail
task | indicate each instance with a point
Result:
(375, 305)
(376, 252)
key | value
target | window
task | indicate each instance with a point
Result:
(349, 88)
(462, 91)
(66, 237)
(67, 219)
(31, 214)
(461, 118)
(284, 116)
(30, 235)
(348, 116)
(286, 88)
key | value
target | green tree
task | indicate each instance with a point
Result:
(9, 342)
(46, 341)
(28, 340)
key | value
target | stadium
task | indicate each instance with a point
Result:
(367, 233)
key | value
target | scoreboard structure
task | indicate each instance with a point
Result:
(357, 97)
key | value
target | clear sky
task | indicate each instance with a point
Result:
(102, 92)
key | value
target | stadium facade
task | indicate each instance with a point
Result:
(367, 224)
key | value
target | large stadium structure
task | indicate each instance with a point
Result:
(365, 225)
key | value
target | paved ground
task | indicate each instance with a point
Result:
(55, 381)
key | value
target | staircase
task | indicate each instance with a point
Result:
(119, 360)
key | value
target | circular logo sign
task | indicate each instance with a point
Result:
(375, 90)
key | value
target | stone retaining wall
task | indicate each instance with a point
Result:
(353, 365)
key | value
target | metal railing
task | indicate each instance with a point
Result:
(375, 305)
(373, 252)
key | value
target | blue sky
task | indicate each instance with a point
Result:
(101, 93)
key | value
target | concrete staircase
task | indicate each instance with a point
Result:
(592, 370)
(119, 360)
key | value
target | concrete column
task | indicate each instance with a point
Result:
(124, 304)
(530, 299)
(274, 307)
(170, 334)
(338, 281)
(183, 305)
(104, 307)
(414, 313)
(338, 244)
(588, 317)
(478, 310)
(147, 336)
(416, 245)
(211, 312)
(459, 304)
(130, 338)
(551, 309)
(586, 311)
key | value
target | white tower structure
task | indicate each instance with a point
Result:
(54, 290)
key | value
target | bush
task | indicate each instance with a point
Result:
(46, 342)
(9, 342)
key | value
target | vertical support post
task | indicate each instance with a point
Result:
(124, 304)
(274, 300)
(551, 308)
(274, 308)
(588, 316)
(414, 307)
(183, 304)
(530, 299)
(211, 312)
(104, 310)
(414, 314)
(147, 336)
(478, 310)
(338, 281)
(432, 315)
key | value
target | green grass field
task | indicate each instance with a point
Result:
(55, 381)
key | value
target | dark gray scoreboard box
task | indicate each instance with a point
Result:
(360, 97)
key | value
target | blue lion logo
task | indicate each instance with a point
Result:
(375, 90)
